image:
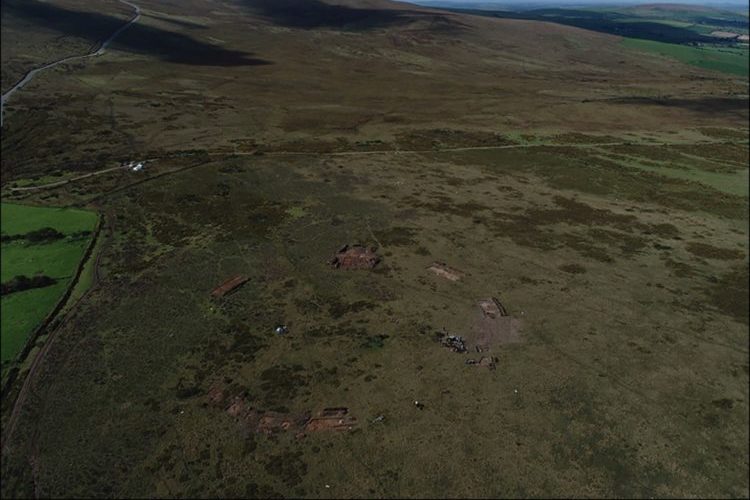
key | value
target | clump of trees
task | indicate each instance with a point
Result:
(21, 283)
(80, 235)
(42, 235)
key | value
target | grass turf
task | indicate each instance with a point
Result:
(22, 311)
(727, 60)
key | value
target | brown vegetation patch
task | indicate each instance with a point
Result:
(657, 153)
(488, 361)
(729, 294)
(571, 168)
(573, 268)
(663, 230)
(449, 138)
(727, 152)
(711, 252)
(216, 396)
(572, 211)
(531, 229)
(579, 138)
(238, 407)
(397, 236)
(725, 133)
(679, 269)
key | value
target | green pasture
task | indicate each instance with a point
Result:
(724, 59)
(22, 311)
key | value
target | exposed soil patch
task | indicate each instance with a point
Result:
(492, 326)
(272, 422)
(445, 271)
(335, 419)
(229, 285)
(216, 396)
(355, 257)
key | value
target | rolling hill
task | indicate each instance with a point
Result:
(468, 256)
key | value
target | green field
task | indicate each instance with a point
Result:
(22, 311)
(727, 60)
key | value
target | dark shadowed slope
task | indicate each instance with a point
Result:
(140, 38)
(309, 14)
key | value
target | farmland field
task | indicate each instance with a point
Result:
(23, 310)
(729, 60)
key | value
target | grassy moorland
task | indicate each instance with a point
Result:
(23, 310)
(547, 229)
(685, 34)
(593, 189)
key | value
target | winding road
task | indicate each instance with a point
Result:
(102, 48)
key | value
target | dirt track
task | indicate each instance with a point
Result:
(345, 153)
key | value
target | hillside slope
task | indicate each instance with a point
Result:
(214, 74)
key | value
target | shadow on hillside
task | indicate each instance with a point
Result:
(713, 105)
(138, 38)
(310, 14)
(609, 22)
(177, 22)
